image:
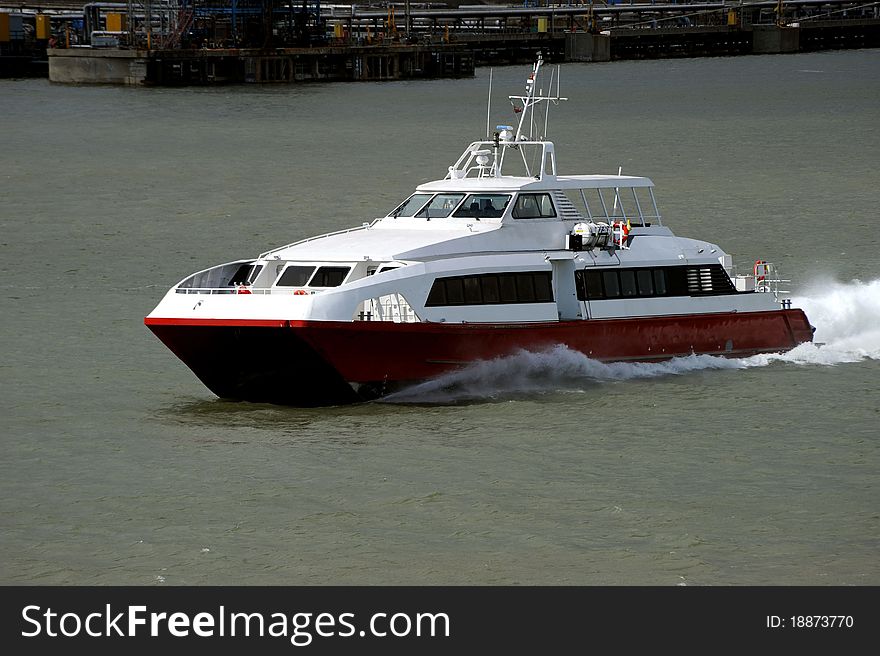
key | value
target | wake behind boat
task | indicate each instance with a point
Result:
(503, 254)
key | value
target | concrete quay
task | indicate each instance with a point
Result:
(457, 58)
(182, 67)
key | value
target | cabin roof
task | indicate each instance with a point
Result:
(547, 182)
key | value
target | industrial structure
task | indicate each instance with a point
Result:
(217, 41)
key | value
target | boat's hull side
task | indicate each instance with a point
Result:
(323, 362)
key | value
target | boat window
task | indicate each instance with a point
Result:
(454, 292)
(646, 286)
(660, 282)
(594, 284)
(329, 276)
(473, 293)
(212, 278)
(440, 206)
(489, 286)
(411, 205)
(628, 282)
(543, 289)
(703, 280)
(479, 206)
(246, 274)
(507, 285)
(533, 206)
(525, 287)
(295, 276)
(437, 295)
(492, 289)
(382, 269)
(610, 283)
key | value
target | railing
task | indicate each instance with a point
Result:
(363, 226)
(391, 307)
(220, 290)
(244, 290)
(767, 279)
(763, 279)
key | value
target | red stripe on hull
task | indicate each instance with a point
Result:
(361, 350)
(313, 362)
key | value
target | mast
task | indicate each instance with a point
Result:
(489, 106)
(525, 106)
(531, 99)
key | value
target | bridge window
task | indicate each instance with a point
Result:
(440, 206)
(480, 206)
(411, 205)
(533, 206)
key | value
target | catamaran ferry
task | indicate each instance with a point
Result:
(503, 254)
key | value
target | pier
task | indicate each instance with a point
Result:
(280, 65)
(197, 42)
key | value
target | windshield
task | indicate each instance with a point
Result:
(441, 206)
(411, 205)
(483, 206)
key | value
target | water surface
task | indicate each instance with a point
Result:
(119, 467)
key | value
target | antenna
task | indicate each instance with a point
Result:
(489, 106)
(616, 192)
(558, 79)
(525, 104)
(547, 110)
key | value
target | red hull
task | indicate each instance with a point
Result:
(315, 362)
